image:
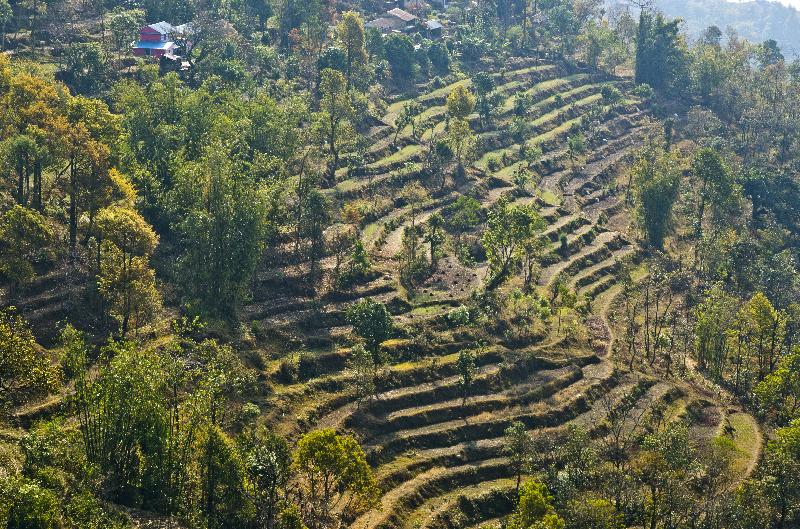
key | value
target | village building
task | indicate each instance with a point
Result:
(158, 40)
(395, 20)
(434, 29)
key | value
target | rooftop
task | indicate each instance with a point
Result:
(405, 16)
(162, 27)
(160, 45)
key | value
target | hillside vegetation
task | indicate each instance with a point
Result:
(537, 272)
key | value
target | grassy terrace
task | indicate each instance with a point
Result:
(438, 457)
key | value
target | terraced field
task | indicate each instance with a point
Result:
(438, 457)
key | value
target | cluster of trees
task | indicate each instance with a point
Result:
(152, 431)
(648, 472)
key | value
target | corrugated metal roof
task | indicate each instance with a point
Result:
(145, 44)
(380, 23)
(405, 16)
(162, 27)
(433, 24)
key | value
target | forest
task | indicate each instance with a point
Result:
(367, 264)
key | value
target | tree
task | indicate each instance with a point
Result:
(462, 141)
(221, 217)
(6, 14)
(439, 57)
(124, 25)
(461, 216)
(85, 67)
(372, 322)
(25, 236)
(656, 176)
(31, 506)
(334, 476)
(508, 229)
(125, 278)
(576, 147)
(408, 115)
(222, 473)
(779, 393)
(363, 365)
(486, 99)
(269, 470)
(350, 33)
(717, 187)
(661, 57)
(535, 509)
(25, 372)
(399, 51)
(517, 445)
(460, 103)
(313, 222)
(714, 318)
(334, 117)
(466, 371)
(434, 235)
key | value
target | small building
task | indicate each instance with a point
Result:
(395, 20)
(155, 40)
(434, 29)
(386, 24)
(403, 15)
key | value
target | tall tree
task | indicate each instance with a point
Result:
(656, 176)
(334, 119)
(350, 33)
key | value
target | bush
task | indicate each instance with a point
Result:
(611, 94)
(458, 316)
(493, 164)
(645, 91)
(306, 367)
(288, 371)
(32, 507)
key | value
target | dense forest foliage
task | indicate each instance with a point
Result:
(500, 263)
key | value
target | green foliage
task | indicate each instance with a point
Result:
(460, 103)
(535, 509)
(222, 474)
(223, 229)
(334, 474)
(399, 51)
(85, 67)
(467, 371)
(25, 370)
(25, 239)
(518, 444)
(779, 393)
(32, 507)
(371, 321)
(363, 366)
(661, 56)
(268, 463)
(458, 316)
(125, 278)
(656, 177)
(511, 233)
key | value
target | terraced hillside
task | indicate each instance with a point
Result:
(439, 456)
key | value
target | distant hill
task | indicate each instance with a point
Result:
(757, 20)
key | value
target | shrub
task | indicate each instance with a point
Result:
(645, 91)
(458, 316)
(611, 94)
(288, 371)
